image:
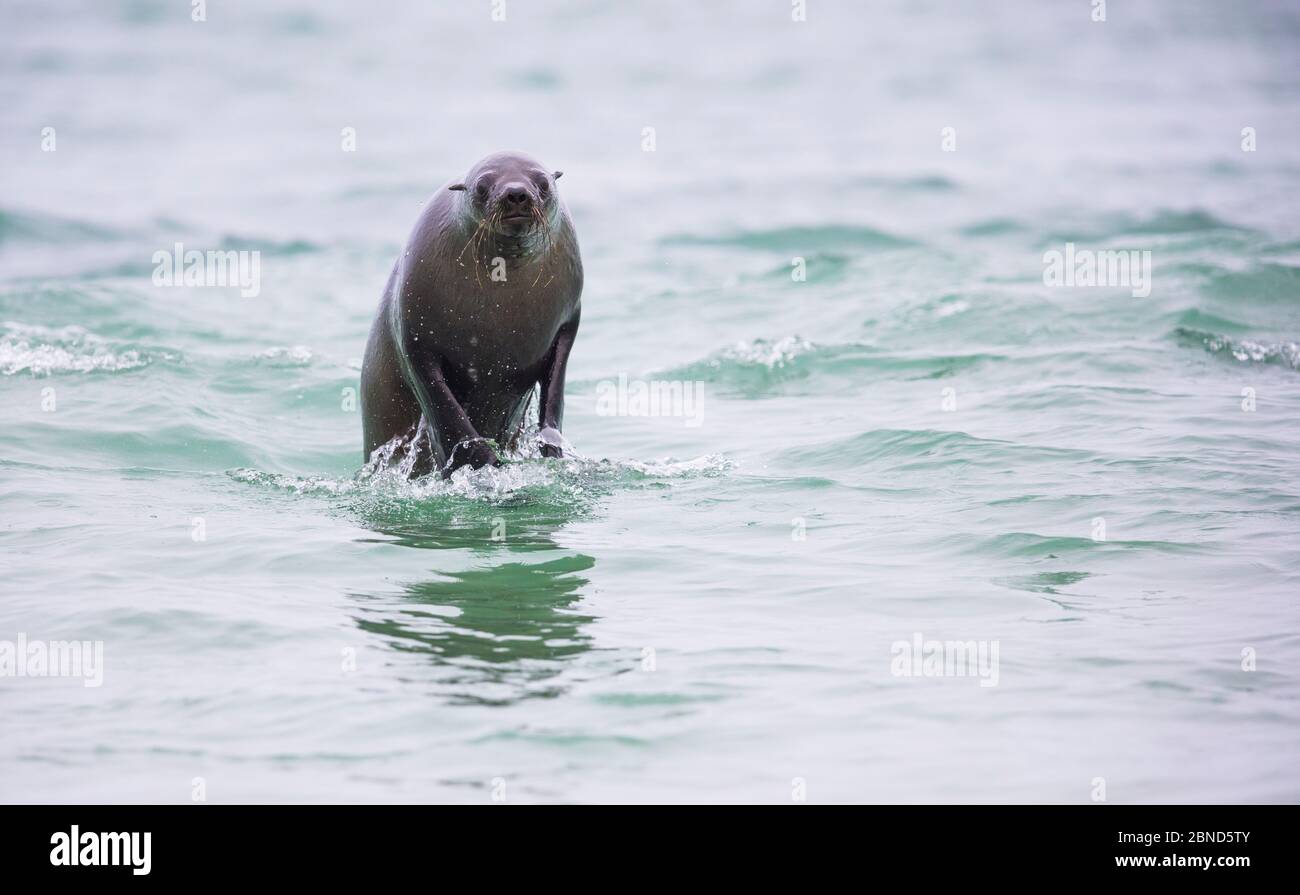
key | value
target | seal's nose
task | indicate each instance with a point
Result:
(516, 196)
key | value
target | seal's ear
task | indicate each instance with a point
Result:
(456, 186)
(557, 175)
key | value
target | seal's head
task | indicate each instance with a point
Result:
(512, 194)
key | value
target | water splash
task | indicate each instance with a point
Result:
(524, 476)
(1246, 351)
(43, 351)
(286, 356)
(764, 353)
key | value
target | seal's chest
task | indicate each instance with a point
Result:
(498, 333)
(498, 356)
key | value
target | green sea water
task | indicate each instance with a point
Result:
(901, 432)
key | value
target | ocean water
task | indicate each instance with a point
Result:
(901, 433)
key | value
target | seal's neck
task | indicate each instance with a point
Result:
(523, 248)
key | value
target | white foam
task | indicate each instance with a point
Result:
(287, 355)
(766, 353)
(1251, 351)
(42, 351)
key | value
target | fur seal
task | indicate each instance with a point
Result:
(481, 306)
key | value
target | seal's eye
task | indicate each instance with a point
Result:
(482, 188)
(543, 188)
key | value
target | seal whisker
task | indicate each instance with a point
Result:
(471, 239)
(487, 226)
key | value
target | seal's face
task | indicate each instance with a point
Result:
(512, 194)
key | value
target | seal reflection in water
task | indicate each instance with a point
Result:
(481, 307)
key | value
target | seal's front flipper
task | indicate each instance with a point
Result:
(474, 453)
(550, 410)
(452, 437)
(550, 442)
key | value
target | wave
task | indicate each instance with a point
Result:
(797, 241)
(1242, 350)
(1164, 222)
(764, 353)
(993, 227)
(919, 449)
(1267, 282)
(264, 245)
(1027, 545)
(26, 226)
(1196, 319)
(44, 351)
(754, 367)
(1043, 582)
(286, 356)
(159, 234)
(924, 183)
